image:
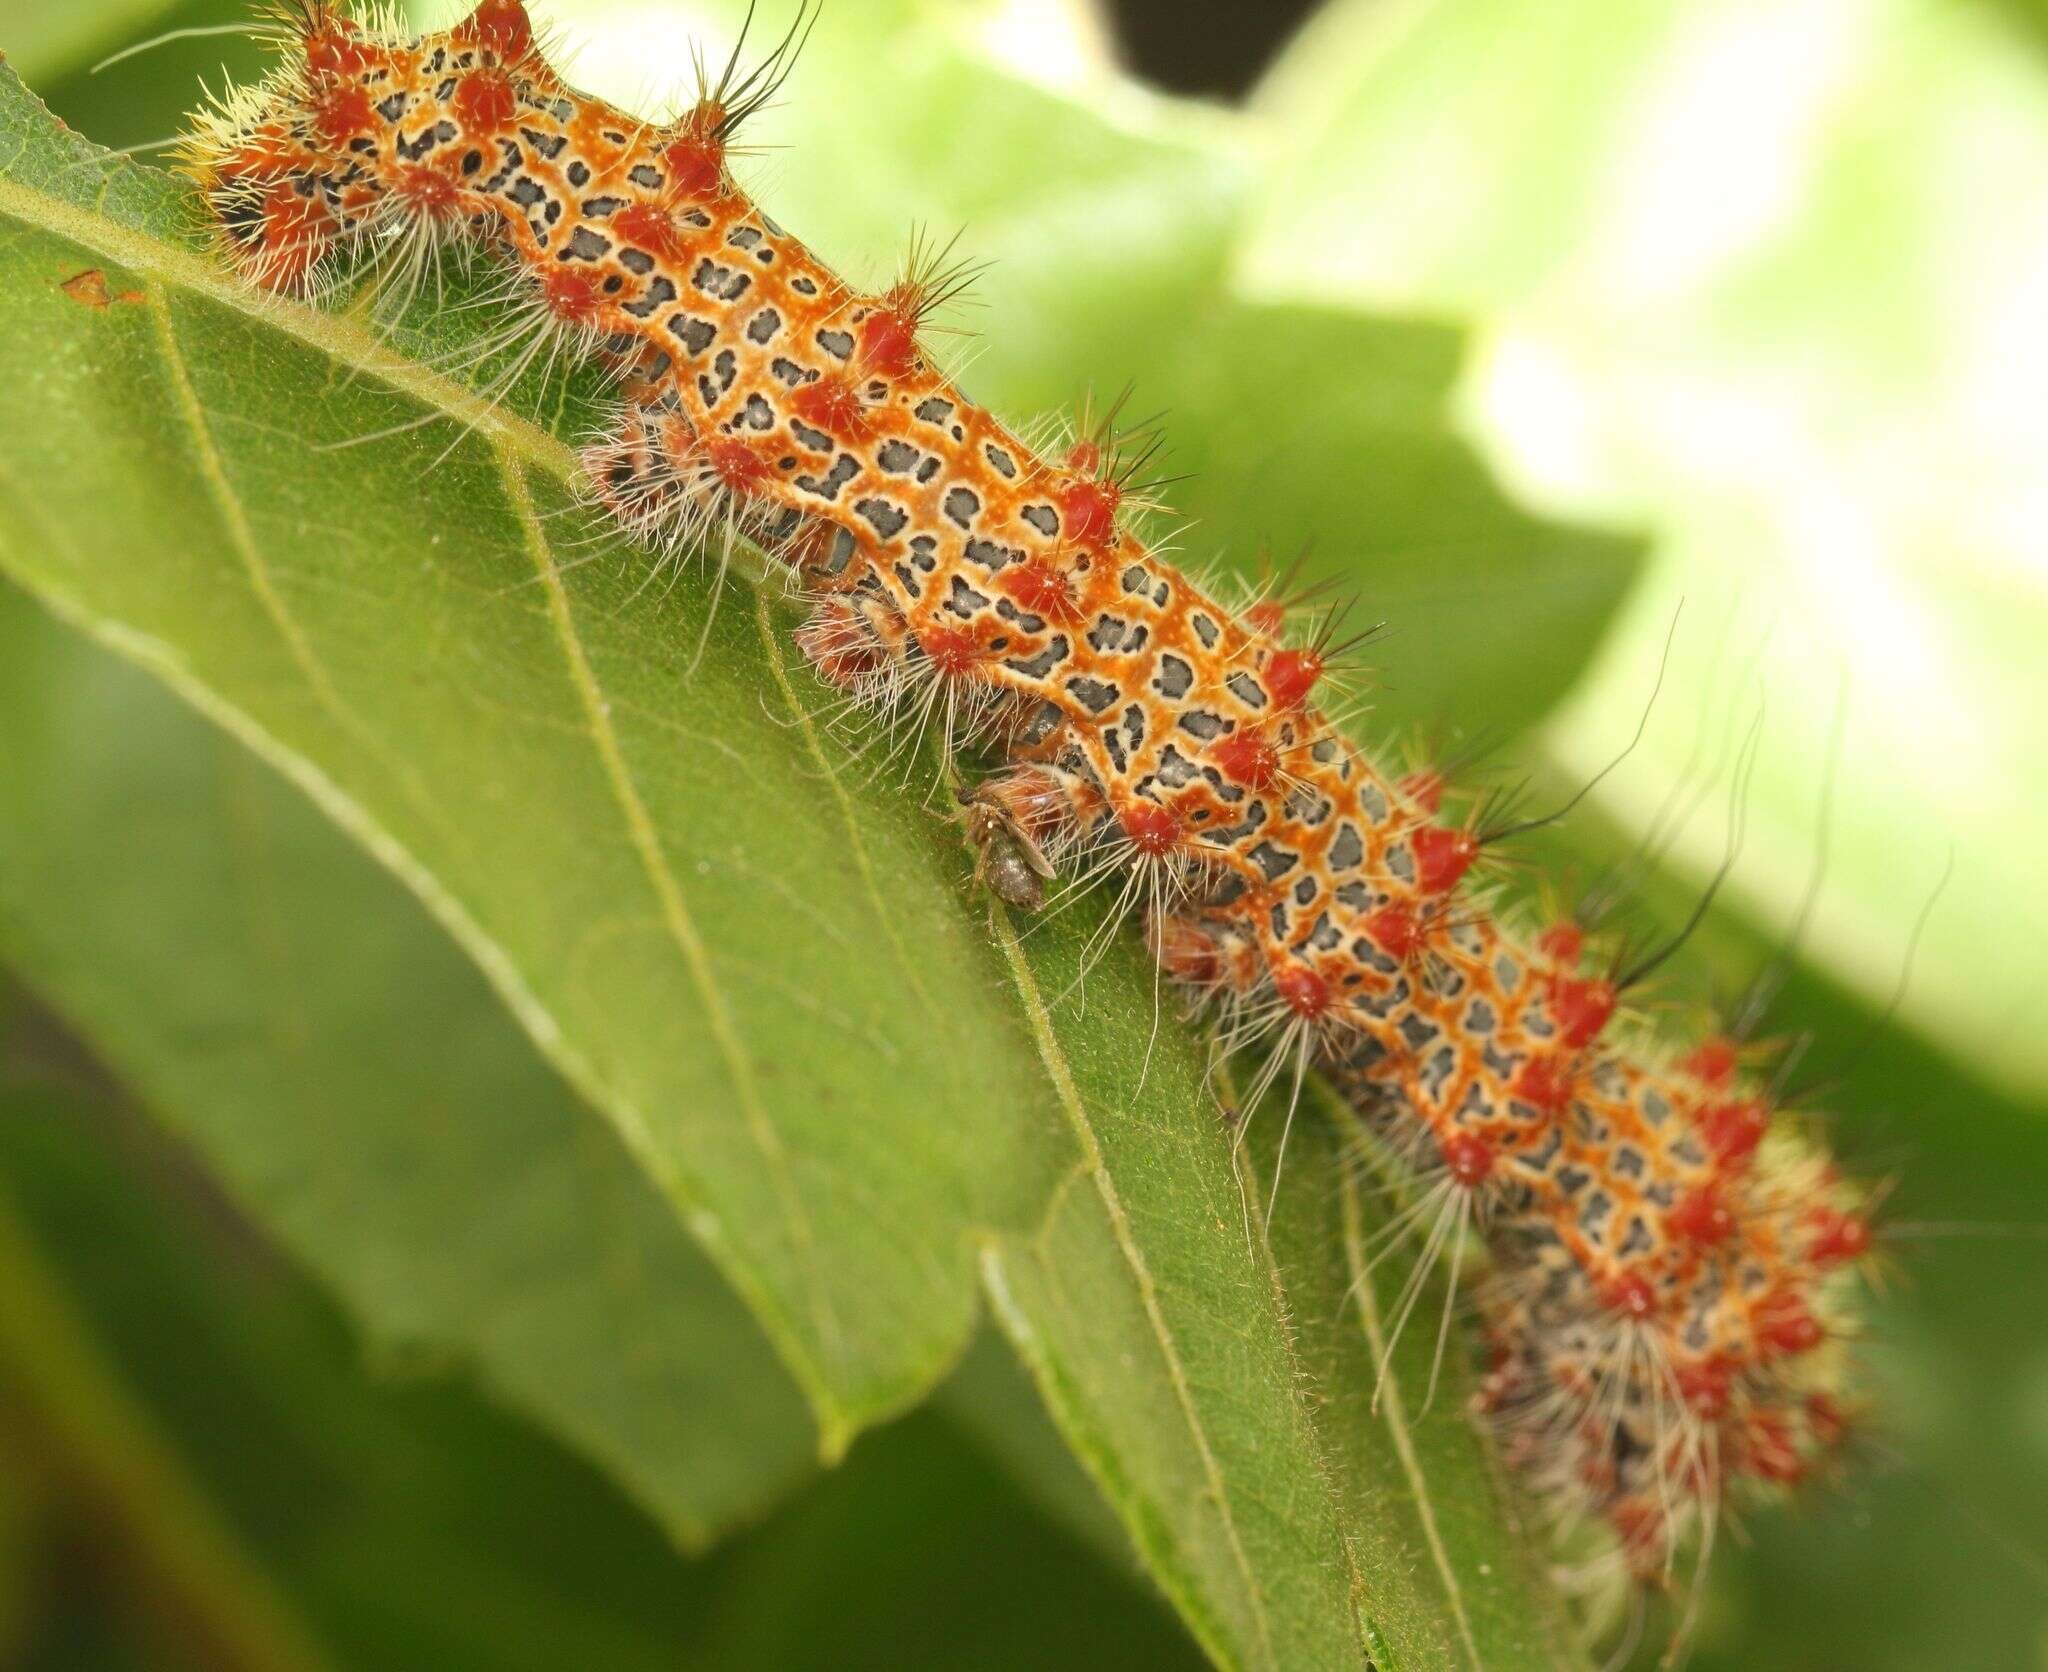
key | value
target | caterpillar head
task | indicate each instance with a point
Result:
(293, 165)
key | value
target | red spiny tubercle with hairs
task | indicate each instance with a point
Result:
(1665, 1302)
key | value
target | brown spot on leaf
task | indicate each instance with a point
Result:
(90, 289)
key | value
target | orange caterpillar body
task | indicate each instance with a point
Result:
(1666, 1307)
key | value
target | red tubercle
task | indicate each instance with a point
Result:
(265, 151)
(1303, 991)
(1704, 1386)
(1701, 1217)
(1562, 943)
(571, 296)
(694, 165)
(650, 227)
(737, 466)
(1084, 458)
(335, 48)
(888, 341)
(342, 111)
(500, 26)
(1247, 758)
(832, 404)
(295, 233)
(1468, 1158)
(1152, 829)
(1783, 1324)
(485, 102)
(1581, 1009)
(1290, 675)
(1442, 857)
(1836, 1237)
(1712, 1062)
(1629, 1293)
(433, 193)
(1733, 1129)
(950, 650)
(1545, 1083)
(1396, 929)
(1424, 789)
(1038, 586)
(1088, 511)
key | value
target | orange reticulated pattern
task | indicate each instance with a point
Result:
(1662, 1311)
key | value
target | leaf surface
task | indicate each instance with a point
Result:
(259, 1497)
(344, 1069)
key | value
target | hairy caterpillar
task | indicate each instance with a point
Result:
(1665, 1311)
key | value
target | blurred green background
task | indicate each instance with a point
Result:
(1763, 283)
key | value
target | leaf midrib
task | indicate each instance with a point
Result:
(339, 337)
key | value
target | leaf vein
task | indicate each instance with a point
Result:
(1397, 1419)
(1061, 1073)
(668, 893)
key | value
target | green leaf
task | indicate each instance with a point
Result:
(255, 1496)
(233, 956)
(764, 964)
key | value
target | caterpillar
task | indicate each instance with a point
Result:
(1671, 1287)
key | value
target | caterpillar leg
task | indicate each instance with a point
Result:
(640, 470)
(853, 640)
(671, 486)
(1211, 956)
(682, 487)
